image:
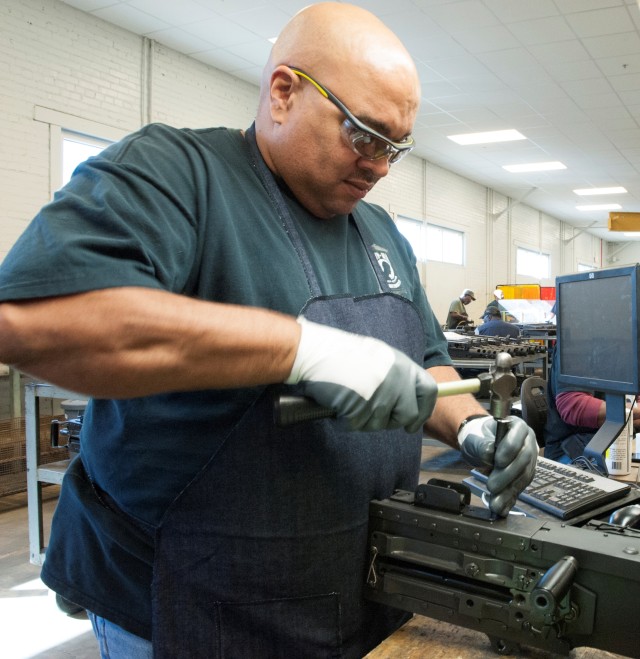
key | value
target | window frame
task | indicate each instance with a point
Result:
(421, 250)
(58, 122)
(78, 138)
(533, 253)
(460, 236)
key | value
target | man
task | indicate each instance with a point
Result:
(493, 325)
(458, 315)
(191, 525)
(573, 417)
(495, 303)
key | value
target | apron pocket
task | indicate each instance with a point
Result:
(299, 627)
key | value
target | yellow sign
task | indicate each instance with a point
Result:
(624, 221)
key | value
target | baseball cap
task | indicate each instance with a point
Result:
(469, 292)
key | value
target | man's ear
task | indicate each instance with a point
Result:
(284, 84)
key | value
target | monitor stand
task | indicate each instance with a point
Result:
(615, 421)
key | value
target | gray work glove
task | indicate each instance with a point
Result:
(512, 463)
(366, 381)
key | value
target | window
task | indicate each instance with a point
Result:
(72, 140)
(431, 242)
(445, 245)
(412, 231)
(532, 264)
(76, 148)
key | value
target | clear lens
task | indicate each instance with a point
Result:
(370, 146)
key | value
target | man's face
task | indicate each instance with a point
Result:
(319, 164)
(466, 299)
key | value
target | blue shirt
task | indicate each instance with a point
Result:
(498, 328)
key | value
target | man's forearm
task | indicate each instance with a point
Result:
(450, 411)
(126, 342)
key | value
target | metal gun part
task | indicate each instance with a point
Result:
(519, 580)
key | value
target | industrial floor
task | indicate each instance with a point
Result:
(32, 626)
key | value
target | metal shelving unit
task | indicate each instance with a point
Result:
(38, 474)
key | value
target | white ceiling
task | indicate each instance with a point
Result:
(565, 73)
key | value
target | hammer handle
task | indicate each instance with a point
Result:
(502, 428)
(289, 410)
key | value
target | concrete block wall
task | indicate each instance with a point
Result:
(61, 66)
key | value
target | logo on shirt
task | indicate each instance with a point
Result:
(382, 257)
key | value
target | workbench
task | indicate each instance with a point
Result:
(425, 638)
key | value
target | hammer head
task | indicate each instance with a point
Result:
(486, 379)
(503, 384)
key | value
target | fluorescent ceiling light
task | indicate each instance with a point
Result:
(600, 207)
(487, 137)
(595, 191)
(535, 167)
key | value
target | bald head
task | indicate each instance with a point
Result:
(327, 35)
(350, 52)
(330, 36)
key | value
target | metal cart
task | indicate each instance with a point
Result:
(38, 474)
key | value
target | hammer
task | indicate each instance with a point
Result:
(503, 383)
(289, 410)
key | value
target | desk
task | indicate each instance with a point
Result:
(422, 637)
(631, 477)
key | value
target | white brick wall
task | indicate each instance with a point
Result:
(188, 93)
(54, 56)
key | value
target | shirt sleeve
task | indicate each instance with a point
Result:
(578, 408)
(120, 221)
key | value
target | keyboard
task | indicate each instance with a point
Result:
(566, 491)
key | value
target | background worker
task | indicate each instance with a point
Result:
(206, 271)
(495, 303)
(493, 325)
(573, 417)
(458, 315)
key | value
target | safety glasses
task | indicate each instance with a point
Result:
(365, 141)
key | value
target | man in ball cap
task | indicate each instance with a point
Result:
(457, 314)
(493, 325)
(495, 303)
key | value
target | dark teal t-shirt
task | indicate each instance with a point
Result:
(184, 211)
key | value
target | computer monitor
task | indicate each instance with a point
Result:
(597, 316)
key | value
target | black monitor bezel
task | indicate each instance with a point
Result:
(615, 391)
(618, 325)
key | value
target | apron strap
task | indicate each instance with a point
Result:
(377, 256)
(270, 185)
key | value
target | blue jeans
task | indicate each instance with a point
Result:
(116, 643)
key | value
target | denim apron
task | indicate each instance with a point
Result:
(264, 553)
